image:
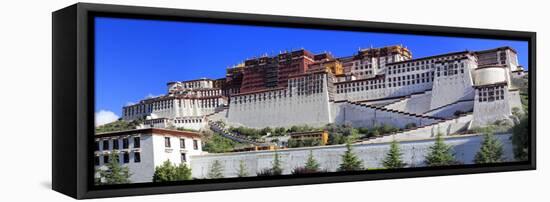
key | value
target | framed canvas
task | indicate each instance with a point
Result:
(157, 100)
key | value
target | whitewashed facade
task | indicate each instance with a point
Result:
(142, 150)
(378, 88)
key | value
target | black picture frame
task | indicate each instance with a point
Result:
(73, 99)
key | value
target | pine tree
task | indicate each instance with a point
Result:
(170, 172)
(276, 165)
(216, 170)
(183, 172)
(350, 162)
(440, 153)
(242, 169)
(114, 172)
(393, 158)
(165, 172)
(311, 163)
(490, 151)
(520, 139)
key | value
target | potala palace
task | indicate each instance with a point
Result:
(445, 94)
(375, 86)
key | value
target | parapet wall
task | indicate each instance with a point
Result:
(329, 157)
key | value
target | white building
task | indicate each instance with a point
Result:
(142, 150)
(378, 86)
(421, 91)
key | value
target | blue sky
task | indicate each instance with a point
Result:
(136, 58)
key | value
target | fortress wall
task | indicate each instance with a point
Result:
(383, 92)
(489, 112)
(329, 157)
(381, 102)
(287, 111)
(359, 95)
(417, 103)
(448, 111)
(515, 99)
(452, 88)
(446, 128)
(361, 116)
(219, 116)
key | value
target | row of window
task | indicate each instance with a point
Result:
(148, 108)
(365, 66)
(199, 120)
(168, 144)
(450, 69)
(425, 62)
(196, 84)
(115, 142)
(491, 94)
(410, 79)
(125, 157)
(360, 86)
(259, 97)
(394, 70)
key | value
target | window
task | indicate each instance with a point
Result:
(167, 142)
(136, 142)
(195, 144)
(183, 158)
(182, 143)
(96, 160)
(105, 159)
(115, 144)
(125, 143)
(96, 145)
(137, 157)
(126, 157)
(105, 144)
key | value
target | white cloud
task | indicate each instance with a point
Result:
(104, 116)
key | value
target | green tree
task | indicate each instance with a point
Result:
(170, 172)
(350, 162)
(490, 150)
(114, 173)
(216, 170)
(520, 139)
(276, 165)
(242, 169)
(183, 172)
(219, 144)
(394, 157)
(440, 154)
(165, 172)
(311, 164)
(118, 125)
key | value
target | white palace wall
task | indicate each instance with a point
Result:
(445, 128)
(362, 116)
(449, 110)
(453, 87)
(416, 103)
(329, 157)
(312, 109)
(487, 112)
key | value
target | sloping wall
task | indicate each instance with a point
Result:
(329, 157)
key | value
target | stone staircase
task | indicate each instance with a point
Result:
(393, 111)
(220, 129)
